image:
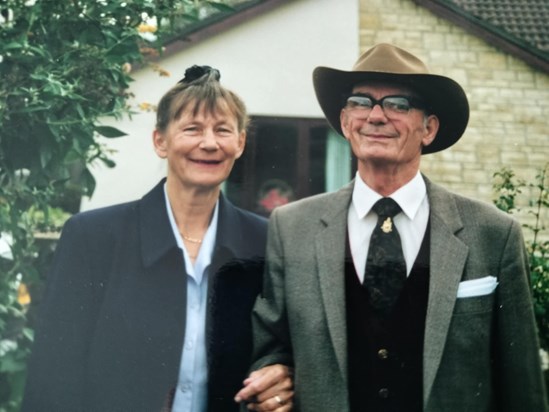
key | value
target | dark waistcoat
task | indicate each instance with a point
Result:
(386, 353)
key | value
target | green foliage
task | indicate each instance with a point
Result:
(64, 65)
(509, 189)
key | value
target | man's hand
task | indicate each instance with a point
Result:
(268, 389)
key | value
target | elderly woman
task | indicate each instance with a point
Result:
(148, 303)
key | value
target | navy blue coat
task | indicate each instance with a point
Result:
(113, 318)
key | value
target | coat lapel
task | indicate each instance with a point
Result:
(161, 257)
(447, 261)
(330, 253)
(162, 286)
(226, 250)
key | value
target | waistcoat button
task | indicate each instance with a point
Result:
(383, 393)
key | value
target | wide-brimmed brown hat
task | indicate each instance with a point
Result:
(387, 63)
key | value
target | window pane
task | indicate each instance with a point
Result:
(338, 162)
(286, 159)
(317, 161)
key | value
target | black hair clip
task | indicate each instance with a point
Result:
(196, 72)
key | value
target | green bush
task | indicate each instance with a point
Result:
(512, 193)
(64, 65)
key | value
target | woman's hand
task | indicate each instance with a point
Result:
(268, 389)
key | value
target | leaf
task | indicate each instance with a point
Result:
(32, 109)
(13, 46)
(88, 182)
(108, 162)
(109, 131)
(221, 7)
(10, 364)
(29, 334)
(45, 156)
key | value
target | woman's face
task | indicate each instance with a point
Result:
(201, 150)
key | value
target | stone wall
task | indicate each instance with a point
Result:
(509, 100)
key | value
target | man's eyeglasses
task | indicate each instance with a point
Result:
(362, 105)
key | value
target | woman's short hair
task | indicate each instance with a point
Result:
(197, 94)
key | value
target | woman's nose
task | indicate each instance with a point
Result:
(209, 141)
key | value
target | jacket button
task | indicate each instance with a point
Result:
(383, 354)
(383, 393)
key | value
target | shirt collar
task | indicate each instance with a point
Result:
(204, 257)
(409, 197)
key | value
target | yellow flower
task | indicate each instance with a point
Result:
(23, 295)
(147, 107)
(161, 72)
(146, 28)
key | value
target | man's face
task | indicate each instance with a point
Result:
(391, 136)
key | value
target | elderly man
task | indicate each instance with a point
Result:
(394, 294)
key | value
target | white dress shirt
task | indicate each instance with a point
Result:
(191, 394)
(411, 224)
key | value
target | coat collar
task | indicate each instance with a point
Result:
(157, 239)
(229, 229)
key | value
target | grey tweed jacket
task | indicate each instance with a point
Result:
(481, 353)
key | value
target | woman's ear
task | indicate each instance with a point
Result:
(241, 143)
(159, 142)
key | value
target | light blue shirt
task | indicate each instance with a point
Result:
(191, 394)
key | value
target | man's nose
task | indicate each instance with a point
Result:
(377, 113)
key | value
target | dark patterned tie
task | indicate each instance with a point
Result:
(385, 272)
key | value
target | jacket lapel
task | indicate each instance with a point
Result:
(162, 286)
(225, 251)
(156, 234)
(447, 261)
(330, 254)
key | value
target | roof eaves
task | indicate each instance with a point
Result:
(490, 33)
(217, 23)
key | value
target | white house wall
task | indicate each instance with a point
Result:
(268, 61)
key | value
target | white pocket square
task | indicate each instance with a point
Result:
(477, 287)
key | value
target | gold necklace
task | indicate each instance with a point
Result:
(191, 239)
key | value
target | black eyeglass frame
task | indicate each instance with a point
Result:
(413, 102)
